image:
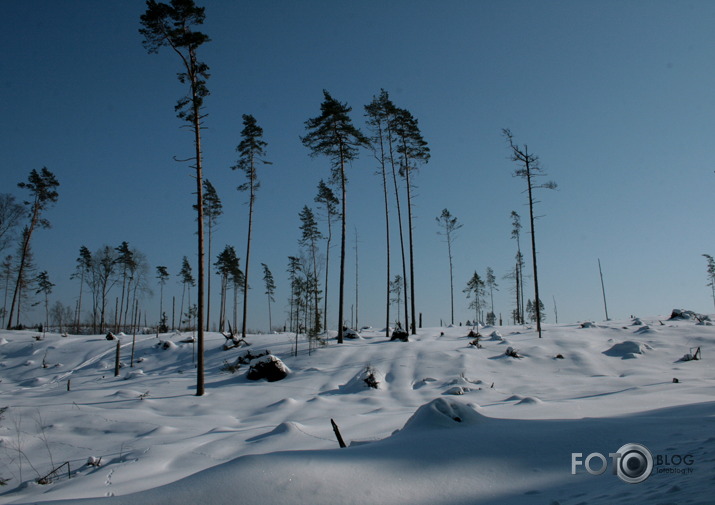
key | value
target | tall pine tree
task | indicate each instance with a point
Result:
(250, 150)
(172, 25)
(333, 134)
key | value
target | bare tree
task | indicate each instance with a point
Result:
(450, 226)
(171, 25)
(11, 214)
(529, 169)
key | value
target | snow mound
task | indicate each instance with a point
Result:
(166, 345)
(367, 378)
(444, 413)
(529, 400)
(588, 324)
(643, 330)
(134, 374)
(3, 341)
(628, 349)
(456, 390)
(495, 335)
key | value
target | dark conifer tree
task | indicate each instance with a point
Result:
(332, 134)
(172, 25)
(42, 187)
(270, 291)
(491, 283)
(711, 274)
(212, 211)
(250, 150)
(310, 235)
(127, 264)
(44, 287)
(475, 288)
(162, 275)
(187, 280)
(82, 270)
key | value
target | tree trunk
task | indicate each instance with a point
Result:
(413, 322)
(451, 277)
(21, 268)
(248, 252)
(208, 281)
(533, 249)
(342, 251)
(200, 222)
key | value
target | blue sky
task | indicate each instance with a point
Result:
(616, 97)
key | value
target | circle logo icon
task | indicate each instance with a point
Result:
(635, 463)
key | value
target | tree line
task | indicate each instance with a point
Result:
(394, 140)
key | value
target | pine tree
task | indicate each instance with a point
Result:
(711, 274)
(42, 187)
(450, 226)
(82, 269)
(171, 25)
(492, 285)
(396, 291)
(250, 150)
(310, 234)
(270, 291)
(332, 134)
(327, 198)
(162, 275)
(412, 149)
(44, 287)
(533, 314)
(475, 289)
(126, 261)
(105, 270)
(212, 211)
(294, 269)
(187, 281)
(226, 266)
(529, 170)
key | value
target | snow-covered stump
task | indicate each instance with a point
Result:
(400, 334)
(267, 367)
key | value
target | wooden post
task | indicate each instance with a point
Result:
(68, 384)
(116, 359)
(337, 434)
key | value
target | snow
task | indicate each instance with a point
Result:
(449, 424)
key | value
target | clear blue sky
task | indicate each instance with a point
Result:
(616, 97)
